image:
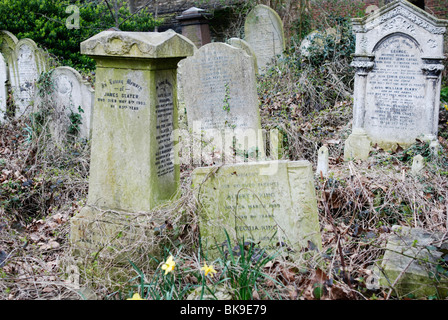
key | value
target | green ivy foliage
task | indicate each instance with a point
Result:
(44, 21)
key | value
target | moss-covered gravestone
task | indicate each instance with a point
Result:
(271, 203)
(263, 30)
(133, 165)
(3, 88)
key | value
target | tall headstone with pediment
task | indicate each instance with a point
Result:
(263, 30)
(26, 64)
(398, 63)
(133, 166)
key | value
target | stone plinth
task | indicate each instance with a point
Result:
(133, 165)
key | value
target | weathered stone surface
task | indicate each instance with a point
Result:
(270, 203)
(8, 42)
(242, 44)
(26, 63)
(322, 162)
(398, 63)
(412, 254)
(220, 96)
(133, 165)
(70, 94)
(263, 30)
(3, 88)
(418, 163)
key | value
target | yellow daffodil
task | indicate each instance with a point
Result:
(207, 269)
(136, 296)
(169, 265)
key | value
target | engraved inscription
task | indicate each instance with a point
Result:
(122, 94)
(164, 128)
(395, 89)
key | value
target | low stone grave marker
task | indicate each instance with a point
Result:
(410, 262)
(270, 203)
(398, 63)
(263, 30)
(322, 162)
(133, 165)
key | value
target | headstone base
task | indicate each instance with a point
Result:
(111, 234)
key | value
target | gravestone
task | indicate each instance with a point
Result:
(398, 64)
(3, 88)
(411, 260)
(322, 162)
(220, 96)
(133, 166)
(418, 163)
(272, 203)
(70, 97)
(240, 43)
(8, 42)
(26, 63)
(263, 30)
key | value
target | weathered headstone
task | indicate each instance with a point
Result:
(26, 63)
(263, 30)
(418, 163)
(322, 162)
(221, 100)
(3, 88)
(398, 63)
(411, 261)
(133, 166)
(242, 44)
(71, 100)
(8, 42)
(272, 203)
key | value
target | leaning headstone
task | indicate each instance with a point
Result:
(411, 263)
(133, 166)
(3, 88)
(70, 99)
(270, 203)
(8, 42)
(26, 63)
(220, 96)
(240, 43)
(398, 64)
(322, 162)
(263, 30)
